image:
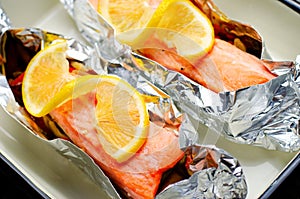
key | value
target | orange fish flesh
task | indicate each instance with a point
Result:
(225, 68)
(139, 176)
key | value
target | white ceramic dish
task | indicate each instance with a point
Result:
(59, 178)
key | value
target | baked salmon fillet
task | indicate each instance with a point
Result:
(224, 68)
(138, 177)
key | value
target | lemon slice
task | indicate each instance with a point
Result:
(178, 26)
(121, 113)
(126, 16)
(122, 118)
(173, 25)
(47, 82)
(45, 75)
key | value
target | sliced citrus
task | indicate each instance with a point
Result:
(47, 82)
(121, 116)
(174, 25)
(126, 15)
(178, 26)
(45, 75)
(121, 112)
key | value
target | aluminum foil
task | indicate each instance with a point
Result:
(218, 173)
(265, 115)
(210, 184)
(4, 20)
(241, 35)
(13, 109)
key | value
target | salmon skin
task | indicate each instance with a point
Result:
(224, 68)
(138, 177)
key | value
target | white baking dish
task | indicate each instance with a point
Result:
(59, 178)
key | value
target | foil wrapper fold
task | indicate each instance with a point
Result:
(4, 20)
(242, 35)
(210, 167)
(265, 115)
(16, 111)
(31, 40)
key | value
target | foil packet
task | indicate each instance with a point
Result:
(265, 115)
(217, 173)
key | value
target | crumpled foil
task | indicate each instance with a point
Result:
(4, 20)
(265, 115)
(241, 35)
(219, 174)
(209, 184)
(64, 148)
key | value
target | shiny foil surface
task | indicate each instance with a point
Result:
(265, 115)
(213, 171)
(211, 167)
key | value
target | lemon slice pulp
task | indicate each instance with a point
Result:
(46, 74)
(173, 25)
(178, 26)
(128, 17)
(122, 117)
